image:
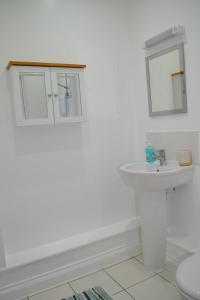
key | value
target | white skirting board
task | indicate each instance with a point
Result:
(88, 254)
(179, 248)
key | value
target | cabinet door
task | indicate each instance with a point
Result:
(68, 94)
(32, 96)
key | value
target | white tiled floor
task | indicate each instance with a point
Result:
(154, 288)
(122, 296)
(124, 281)
(57, 293)
(129, 272)
(168, 275)
(96, 279)
(140, 258)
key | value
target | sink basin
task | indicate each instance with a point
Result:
(152, 177)
(151, 183)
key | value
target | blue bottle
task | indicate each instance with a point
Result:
(150, 153)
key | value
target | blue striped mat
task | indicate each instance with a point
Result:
(96, 293)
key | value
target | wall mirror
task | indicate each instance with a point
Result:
(166, 81)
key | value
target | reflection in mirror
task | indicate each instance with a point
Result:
(69, 95)
(166, 81)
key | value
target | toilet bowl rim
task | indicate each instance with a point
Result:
(184, 293)
(189, 285)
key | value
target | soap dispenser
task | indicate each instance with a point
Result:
(150, 153)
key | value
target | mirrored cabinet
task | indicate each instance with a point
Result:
(47, 93)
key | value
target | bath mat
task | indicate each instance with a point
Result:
(96, 293)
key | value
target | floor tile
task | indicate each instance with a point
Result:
(122, 296)
(168, 275)
(140, 258)
(161, 270)
(96, 279)
(129, 272)
(62, 291)
(154, 288)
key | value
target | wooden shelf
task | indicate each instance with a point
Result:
(177, 73)
(42, 64)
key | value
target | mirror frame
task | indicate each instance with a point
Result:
(180, 48)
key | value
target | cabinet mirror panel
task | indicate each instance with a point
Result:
(68, 86)
(33, 93)
(166, 82)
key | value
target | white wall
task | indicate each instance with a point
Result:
(148, 19)
(57, 181)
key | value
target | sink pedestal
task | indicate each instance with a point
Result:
(152, 207)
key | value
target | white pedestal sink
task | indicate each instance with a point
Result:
(151, 183)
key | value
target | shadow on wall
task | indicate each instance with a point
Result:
(181, 210)
(50, 138)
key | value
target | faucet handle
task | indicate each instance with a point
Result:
(161, 152)
(160, 155)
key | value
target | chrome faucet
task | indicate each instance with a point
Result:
(160, 155)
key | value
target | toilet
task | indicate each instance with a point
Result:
(188, 278)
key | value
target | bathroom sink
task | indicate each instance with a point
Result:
(151, 182)
(152, 177)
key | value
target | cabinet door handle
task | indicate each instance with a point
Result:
(49, 95)
(55, 95)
